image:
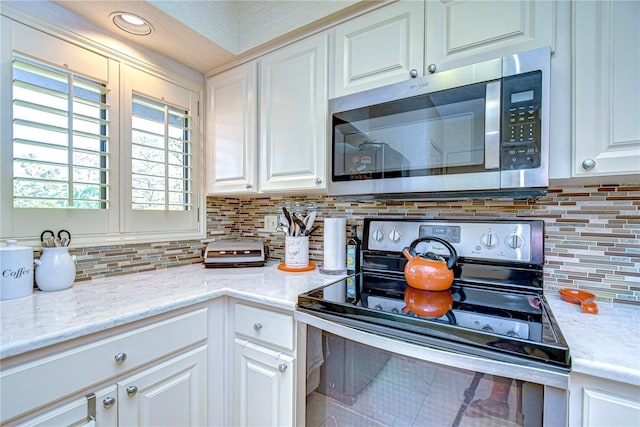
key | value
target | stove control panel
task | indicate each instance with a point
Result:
(506, 241)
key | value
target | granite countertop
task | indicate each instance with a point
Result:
(605, 345)
(47, 318)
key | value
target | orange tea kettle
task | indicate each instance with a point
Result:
(428, 304)
(429, 272)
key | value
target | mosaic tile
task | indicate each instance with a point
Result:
(592, 233)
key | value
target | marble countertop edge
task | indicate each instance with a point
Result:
(46, 340)
(606, 345)
(606, 371)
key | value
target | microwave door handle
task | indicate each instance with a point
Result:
(493, 111)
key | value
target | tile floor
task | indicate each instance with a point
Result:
(407, 392)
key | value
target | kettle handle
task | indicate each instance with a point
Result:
(453, 256)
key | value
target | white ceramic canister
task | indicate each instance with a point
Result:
(16, 267)
(56, 269)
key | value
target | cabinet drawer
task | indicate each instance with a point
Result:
(264, 325)
(34, 384)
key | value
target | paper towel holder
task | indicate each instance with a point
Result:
(334, 246)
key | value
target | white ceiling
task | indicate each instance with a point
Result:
(205, 35)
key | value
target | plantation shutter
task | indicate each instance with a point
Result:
(60, 138)
(161, 172)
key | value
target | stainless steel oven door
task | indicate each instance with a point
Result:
(353, 377)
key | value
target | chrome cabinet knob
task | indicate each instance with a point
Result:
(588, 164)
(132, 390)
(108, 402)
(282, 367)
(257, 326)
(120, 358)
(249, 186)
(413, 73)
(432, 68)
(318, 181)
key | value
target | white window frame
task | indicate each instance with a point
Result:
(140, 82)
(119, 223)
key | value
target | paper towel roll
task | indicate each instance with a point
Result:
(335, 256)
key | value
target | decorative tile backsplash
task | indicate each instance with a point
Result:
(592, 233)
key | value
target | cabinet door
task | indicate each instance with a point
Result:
(264, 386)
(76, 412)
(293, 110)
(461, 32)
(172, 393)
(606, 88)
(597, 401)
(379, 48)
(232, 131)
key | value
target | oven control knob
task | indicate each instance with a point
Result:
(487, 328)
(395, 310)
(512, 333)
(395, 235)
(378, 235)
(489, 240)
(515, 241)
(377, 307)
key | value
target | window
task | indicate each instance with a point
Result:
(160, 156)
(59, 138)
(105, 149)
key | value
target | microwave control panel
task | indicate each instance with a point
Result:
(521, 121)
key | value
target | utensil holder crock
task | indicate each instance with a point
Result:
(296, 251)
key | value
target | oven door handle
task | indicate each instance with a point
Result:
(492, 113)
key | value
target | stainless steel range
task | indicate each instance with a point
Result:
(494, 319)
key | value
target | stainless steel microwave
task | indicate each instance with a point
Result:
(478, 130)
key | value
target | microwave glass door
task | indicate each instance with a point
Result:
(438, 133)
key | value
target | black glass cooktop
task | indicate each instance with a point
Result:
(470, 318)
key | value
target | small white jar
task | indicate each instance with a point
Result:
(16, 271)
(56, 269)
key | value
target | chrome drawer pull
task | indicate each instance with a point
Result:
(108, 402)
(132, 390)
(120, 358)
(257, 326)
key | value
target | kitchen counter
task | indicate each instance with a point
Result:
(47, 318)
(605, 345)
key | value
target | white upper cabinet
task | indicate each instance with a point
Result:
(465, 32)
(378, 48)
(606, 88)
(232, 131)
(293, 114)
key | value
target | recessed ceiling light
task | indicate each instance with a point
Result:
(131, 23)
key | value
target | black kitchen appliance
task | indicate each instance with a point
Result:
(499, 311)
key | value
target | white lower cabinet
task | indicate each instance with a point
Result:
(596, 402)
(154, 374)
(172, 393)
(76, 412)
(264, 366)
(264, 381)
